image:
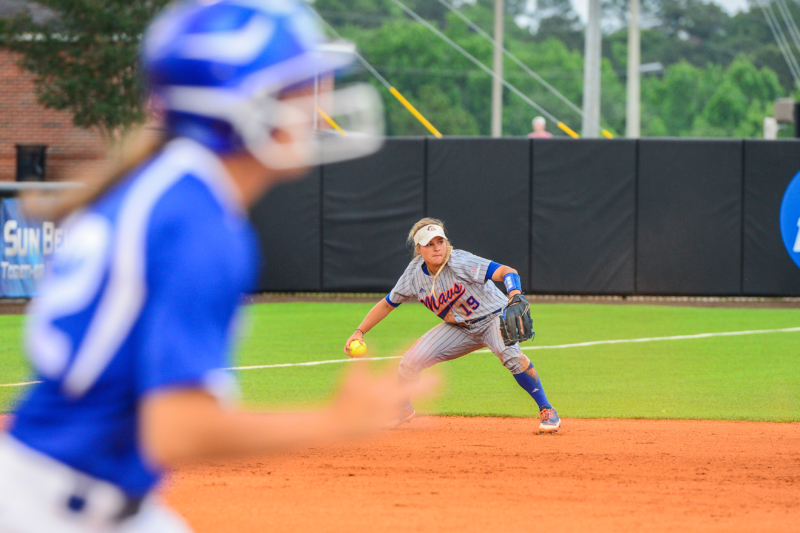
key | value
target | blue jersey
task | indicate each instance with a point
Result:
(143, 296)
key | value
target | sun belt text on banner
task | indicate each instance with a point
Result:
(27, 246)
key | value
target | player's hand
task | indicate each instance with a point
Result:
(366, 403)
(357, 335)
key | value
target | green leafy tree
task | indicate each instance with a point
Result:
(691, 20)
(676, 99)
(728, 102)
(711, 85)
(431, 74)
(440, 108)
(724, 110)
(373, 13)
(557, 19)
(85, 59)
(741, 101)
(362, 13)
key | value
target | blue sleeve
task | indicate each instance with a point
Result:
(192, 297)
(391, 302)
(490, 270)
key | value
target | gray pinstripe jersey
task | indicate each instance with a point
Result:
(462, 291)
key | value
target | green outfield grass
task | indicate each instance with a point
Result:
(753, 377)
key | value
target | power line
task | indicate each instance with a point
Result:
(513, 58)
(784, 39)
(788, 25)
(394, 92)
(777, 32)
(787, 17)
(483, 67)
(782, 46)
(414, 71)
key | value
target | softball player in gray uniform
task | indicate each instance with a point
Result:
(457, 286)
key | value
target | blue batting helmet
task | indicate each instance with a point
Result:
(218, 69)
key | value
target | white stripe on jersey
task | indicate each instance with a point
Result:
(124, 295)
(88, 247)
(462, 291)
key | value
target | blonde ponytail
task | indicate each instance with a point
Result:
(98, 177)
(444, 264)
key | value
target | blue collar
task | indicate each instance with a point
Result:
(425, 268)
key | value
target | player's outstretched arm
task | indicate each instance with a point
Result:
(188, 424)
(375, 315)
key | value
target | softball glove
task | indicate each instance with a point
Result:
(516, 324)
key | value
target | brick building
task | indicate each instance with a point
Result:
(23, 121)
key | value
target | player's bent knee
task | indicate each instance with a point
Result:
(409, 371)
(517, 365)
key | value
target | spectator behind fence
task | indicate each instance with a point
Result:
(539, 131)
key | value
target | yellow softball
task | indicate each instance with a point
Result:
(357, 348)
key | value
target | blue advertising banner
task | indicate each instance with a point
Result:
(26, 248)
(790, 219)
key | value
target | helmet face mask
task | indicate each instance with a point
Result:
(251, 99)
(278, 132)
(356, 109)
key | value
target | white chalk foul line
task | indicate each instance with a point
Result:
(552, 347)
(655, 339)
(315, 363)
(19, 384)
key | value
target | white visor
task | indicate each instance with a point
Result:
(424, 235)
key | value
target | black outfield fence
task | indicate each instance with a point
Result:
(766, 267)
(584, 216)
(289, 222)
(481, 189)
(689, 223)
(368, 205)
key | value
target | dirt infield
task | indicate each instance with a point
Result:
(491, 474)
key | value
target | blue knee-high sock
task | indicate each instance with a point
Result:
(533, 386)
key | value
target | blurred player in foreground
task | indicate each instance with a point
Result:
(133, 329)
(457, 286)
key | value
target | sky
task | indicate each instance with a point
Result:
(731, 6)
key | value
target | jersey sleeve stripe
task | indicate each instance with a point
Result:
(391, 302)
(491, 269)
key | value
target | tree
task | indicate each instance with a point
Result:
(85, 59)
(691, 19)
(676, 99)
(427, 71)
(616, 13)
(558, 19)
(443, 110)
(741, 101)
(362, 13)
(373, 13)
(711, 101)
(86, 62)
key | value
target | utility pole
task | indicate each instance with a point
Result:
(633, 111)
(591, 73)
(497, 87)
